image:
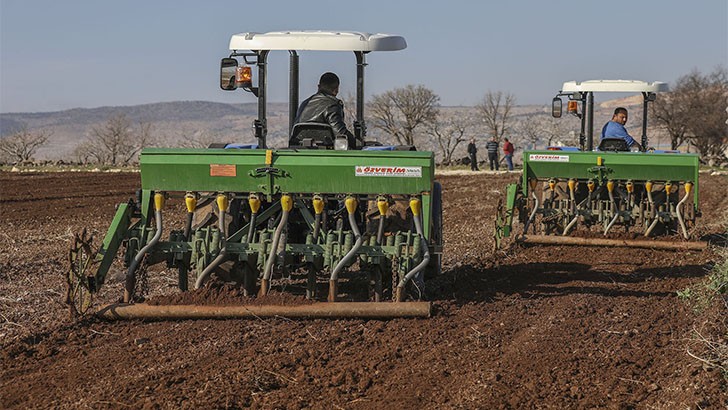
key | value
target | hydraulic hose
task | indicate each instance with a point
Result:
(533, 213)
(383, 206)
(652, 226)
(188, 226)
(380, 229)
(254, 203)
(615, 210)
(220, 256)
(316, 227)
(351, 205)
(286, 206)
(354, 249)
(680, 204)
(131, 272)
(191, 203)
(251, 231)
(318, 209)
(648, 188)
(425, 260)
(574, 207)
(576, 216)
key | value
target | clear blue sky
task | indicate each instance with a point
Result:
(56, 55)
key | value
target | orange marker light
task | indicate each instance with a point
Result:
(572, 107)
(244, 76)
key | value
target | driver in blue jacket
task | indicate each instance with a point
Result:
(615, 128)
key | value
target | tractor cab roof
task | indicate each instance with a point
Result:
(620, 86)
(317, 41)
(583, 91)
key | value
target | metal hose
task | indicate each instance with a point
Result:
(220, 257)
(576, 217)
(251, 231)
(188, 226)
(316, 227)
(654, 209)
(131, 272)
(425, 259)
(380, 229)
(333, 280)
(574, 209)
(268, 271)
(354, 249)
(616, 213)
(533, 213)
(680, 217)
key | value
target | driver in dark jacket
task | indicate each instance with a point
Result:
(323, 107)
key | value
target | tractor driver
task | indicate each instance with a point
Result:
(615, 128)
(323, 107)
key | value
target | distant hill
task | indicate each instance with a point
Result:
(175, 122)
(171, 122)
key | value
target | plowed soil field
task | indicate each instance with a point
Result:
(528, 327)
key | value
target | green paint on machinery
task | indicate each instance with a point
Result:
(317, 212)
(368, 176)
(610, 190)
(323, 171)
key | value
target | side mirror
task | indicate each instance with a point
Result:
(556, 107)
(228, 68)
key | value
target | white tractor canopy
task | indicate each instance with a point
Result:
(619, 86)
(317, 41)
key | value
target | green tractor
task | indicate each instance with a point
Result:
(608, 195)
(323, 219)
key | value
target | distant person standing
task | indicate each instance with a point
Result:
(473, 153)
(508, 151)
(492, 147)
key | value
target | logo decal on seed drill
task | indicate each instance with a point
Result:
(380, 171)
(548, 158)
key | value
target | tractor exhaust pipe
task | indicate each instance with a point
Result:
(355, 310)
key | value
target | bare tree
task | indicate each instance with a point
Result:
(22, 145)
(694, 112)
(198, 139)
(349, 101)
(495, 110)
(400, 112)
(671, 112)
(707, 99)
(537, 129)
(449, 134)
(116, 142)
(529, 129)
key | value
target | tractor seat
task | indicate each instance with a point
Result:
(613, 144)
(311, 135)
